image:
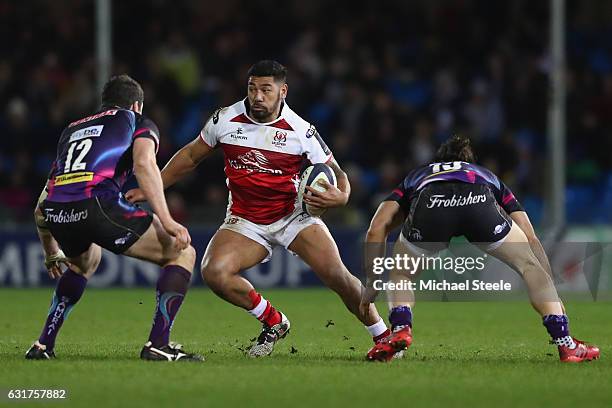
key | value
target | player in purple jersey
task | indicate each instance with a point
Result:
(455, 197)
(82, 210)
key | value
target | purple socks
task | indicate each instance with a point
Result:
(172, 286)
(557, 325)
(69, 290)
(400, 316)
(558, 328)
(171, 289)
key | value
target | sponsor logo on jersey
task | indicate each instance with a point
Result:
(311, 132)
(78, 177)
(280, 139)
(65, 217)
(499, 228)
(239, 135)
(253, 161)
(92, 131)
(123, 240)
(440, 200)
(93, 117)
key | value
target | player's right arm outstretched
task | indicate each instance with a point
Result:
(185, 161)
(181, 164)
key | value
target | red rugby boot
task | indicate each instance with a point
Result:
(582, 352)
(392, 346)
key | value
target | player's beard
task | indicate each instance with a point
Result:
(266, 115)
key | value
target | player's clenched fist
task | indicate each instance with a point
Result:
(53, 264)
(183, 239)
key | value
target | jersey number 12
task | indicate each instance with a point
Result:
(83, 148)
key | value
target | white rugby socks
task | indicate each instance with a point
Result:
(377, 328)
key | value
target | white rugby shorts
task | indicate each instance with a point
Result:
(281, 232)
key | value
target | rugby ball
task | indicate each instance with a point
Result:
(310, 177)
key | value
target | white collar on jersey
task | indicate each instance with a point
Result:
(247, 109)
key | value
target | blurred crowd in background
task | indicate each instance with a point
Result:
(384, 82)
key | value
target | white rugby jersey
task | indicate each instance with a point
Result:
(263, 160)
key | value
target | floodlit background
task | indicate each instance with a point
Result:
(384, 82)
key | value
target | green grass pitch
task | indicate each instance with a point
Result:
(463, 355)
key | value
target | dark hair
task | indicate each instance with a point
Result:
(269, 68)
(456, 148)
(121, 91)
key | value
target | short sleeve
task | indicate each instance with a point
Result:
(210, 132)
(507, 200)
(315, 148)
(401, 195)
(145, 127)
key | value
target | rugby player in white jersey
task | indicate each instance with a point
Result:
(265, 145)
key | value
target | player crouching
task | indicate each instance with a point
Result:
(82, 210)
(496, 223)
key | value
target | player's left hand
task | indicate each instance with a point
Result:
(53, 264)
(330, 198)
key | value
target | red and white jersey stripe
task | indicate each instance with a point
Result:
(263, 160)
